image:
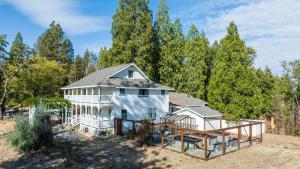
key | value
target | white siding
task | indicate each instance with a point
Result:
(199, 119)
(124, 73)
(137, 107)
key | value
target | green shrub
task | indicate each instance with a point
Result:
(32, 135)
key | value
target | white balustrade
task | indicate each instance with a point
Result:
(105, 98)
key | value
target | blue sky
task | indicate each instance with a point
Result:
(272, 27)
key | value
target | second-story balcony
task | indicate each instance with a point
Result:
(103, 99)
(106, 99)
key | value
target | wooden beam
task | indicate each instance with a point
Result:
(204, 123)
(223, 143)
(182, 141)
(162, 137)
(250, 134)
(239, 137)
(205, 148)
(261, 137)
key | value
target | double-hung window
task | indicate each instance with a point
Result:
(124, 114)
(143, 92)
(130, 73)
(152, 113)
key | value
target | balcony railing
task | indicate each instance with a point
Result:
(90, 98)
(105, 98)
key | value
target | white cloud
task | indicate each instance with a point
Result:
(272, 27)
(65, 12)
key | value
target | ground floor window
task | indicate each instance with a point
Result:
(124, 114)
(152, 113)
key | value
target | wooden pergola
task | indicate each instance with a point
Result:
(185, 134)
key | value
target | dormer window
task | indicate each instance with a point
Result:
(130, 73)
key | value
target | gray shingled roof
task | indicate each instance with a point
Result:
(183, 100)
(100, 77)
(133, 83)
(205, 111)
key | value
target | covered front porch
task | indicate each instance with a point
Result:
(92, 117)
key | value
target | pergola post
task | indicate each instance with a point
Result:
(223, 142)
(205, 148)
(204, 123)
(239, 137)
(261, 137)
(182, 141)
(250, 133)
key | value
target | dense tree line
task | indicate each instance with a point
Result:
(221, 73)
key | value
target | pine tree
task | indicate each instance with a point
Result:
(104, 58)
(18, 49)
(89, 62)
(195, 68)
(132, 35)
(171, 57)
(54, 45)
(209, 61)
(266, 82)
(163, 23)
(233, 87)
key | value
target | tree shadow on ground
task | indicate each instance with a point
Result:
(97, 152)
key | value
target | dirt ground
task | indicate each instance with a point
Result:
(276, 151)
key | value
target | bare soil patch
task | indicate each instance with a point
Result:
(276, 151)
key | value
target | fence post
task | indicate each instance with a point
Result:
(205, 146)
(250, 133)
(133, 129)
(261, 137)
(239, 136)
(181, 139)
(223, 142)
(162, 136)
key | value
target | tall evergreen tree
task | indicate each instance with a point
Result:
(89, 62)
(233, 85)
(209, 61)
(104, 59)
(77, 69)
(195, 68)
(171, 57)
(54, 45)
(266, 82)
(133, 35)
(18, 49)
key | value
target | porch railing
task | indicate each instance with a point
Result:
(96, 123)
(105, 98)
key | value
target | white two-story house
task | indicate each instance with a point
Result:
(122, 91)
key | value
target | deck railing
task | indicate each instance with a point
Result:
(105, 98)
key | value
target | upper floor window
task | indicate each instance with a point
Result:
(90, 91)
(130, 73)
(152, 113)
(96, 91)
(162, 92)
(66, 92)
(124, 114)
(143, 92)
(78, 92)
(122, 91)
(83, 91)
